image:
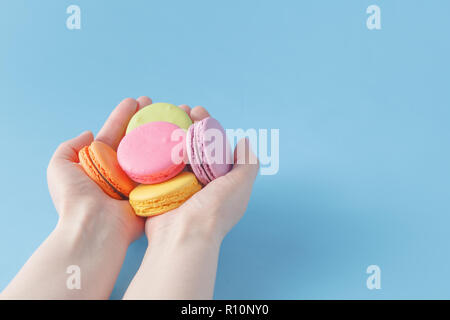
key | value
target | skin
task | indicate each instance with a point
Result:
(184, 244)
(94, 230)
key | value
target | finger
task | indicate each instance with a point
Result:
(68, 150)
(246, 163)
(143, 102)
(114, 128)
(186, 108)
(199, 113)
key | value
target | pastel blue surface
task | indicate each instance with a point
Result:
(363, 116)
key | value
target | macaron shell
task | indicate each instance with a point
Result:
(216, 143)
(160, 112)
(151, 200)
(145, 154)
(92, 173)
(105, 160)
(193, 155)
(201, 144)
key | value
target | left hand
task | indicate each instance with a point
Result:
(81, 201)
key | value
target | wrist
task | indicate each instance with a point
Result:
(182, 232)
(180, 261)
(97, 252)
(93, 227)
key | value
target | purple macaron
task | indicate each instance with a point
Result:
(208, 150)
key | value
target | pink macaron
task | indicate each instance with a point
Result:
(153, 152)
(208, 150)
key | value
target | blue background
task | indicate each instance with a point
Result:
(363, 116)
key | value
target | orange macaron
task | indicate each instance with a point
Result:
(99, 161)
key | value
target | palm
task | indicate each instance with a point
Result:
(218, 206)
(70, 187)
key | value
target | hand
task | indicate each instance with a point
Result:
(94, 230)
(80, 201)
(183, 250)
(215, 209)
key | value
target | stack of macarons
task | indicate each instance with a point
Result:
(149, 167)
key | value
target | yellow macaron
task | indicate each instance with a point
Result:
(155, 199)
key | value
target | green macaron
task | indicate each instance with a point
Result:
(160, 112)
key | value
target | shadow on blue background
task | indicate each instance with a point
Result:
(363, 116)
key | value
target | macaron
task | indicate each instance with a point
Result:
(99, 161)
(155, 199)
(153, 152)
(160, 112)
(208, 150)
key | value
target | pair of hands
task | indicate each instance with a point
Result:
(94, 230)
(210, 213)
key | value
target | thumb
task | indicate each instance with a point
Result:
(68, 150)
(246, 163)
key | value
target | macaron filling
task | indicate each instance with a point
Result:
(201, 147)
(160, 205)
(195, 160)
(206, 166)
(124, 197)
(155, 199)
